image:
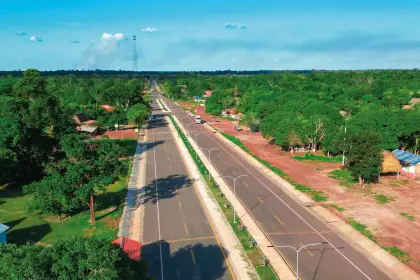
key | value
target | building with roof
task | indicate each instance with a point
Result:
(92, 130)
(3, 229)
(81, 118)
(410, 163)
(108, 108)
(207, 93)
(129, 246)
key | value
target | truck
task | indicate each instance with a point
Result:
(197, 119)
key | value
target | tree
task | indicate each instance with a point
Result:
(137, 113)
(71, 258)
(364, 155)
(31, 86)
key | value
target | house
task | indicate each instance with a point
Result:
(412, 102)
(207, 93)
(197, 98)
(129, 246)
(3, 229)
(92, 130)
(81, 118)
(410, 163)
(390, 164)
(229, 113)
(108, 108)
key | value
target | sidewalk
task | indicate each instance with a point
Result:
(133, 213)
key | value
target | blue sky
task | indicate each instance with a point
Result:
(191, 35)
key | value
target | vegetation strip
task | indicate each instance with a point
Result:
(163, 105)
(310, 156)
(249, 247)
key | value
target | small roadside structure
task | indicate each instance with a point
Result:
(390, 164)
(229, 113)
(92, 130)
(197, 98)
(129, 246)
(207, 93)
(3, 229)
(108, 108)
(81, 118)
(410, 163)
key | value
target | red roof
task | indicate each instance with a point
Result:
(231, 111)
(208, 93)
(108, 108)
(129, 246)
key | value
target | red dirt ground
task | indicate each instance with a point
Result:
(119, 134)
(390, 228)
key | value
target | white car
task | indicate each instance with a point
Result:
(197, 119)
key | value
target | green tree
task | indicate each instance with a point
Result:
(137, 113)
(364, 155)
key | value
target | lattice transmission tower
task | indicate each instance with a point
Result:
(135, 62)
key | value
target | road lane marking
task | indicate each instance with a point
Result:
(186, 229)
(157, 204)
(179, 240)
(260, 199)
(301, 244)
(297, 232)
(233, 171)
(278, 220)
(246, 184)
(180, 206)
(192, 255)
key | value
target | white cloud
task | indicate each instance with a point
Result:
(116, 36)
(21, 33)
(35, 39)
(149, 29)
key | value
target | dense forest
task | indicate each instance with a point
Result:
(39, 145)
(316, 110)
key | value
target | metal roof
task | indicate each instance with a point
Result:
(406, 157)
(3, 228)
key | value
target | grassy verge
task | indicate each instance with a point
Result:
(253, 253)
(315, 194)
(310, 156)
(336, 207)
(383, 199)
(163, 105)
(344, 175)
(402, 256)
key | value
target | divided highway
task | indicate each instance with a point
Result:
(179, 241)
(283, 221)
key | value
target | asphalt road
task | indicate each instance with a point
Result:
(284, 221)
(178, 240)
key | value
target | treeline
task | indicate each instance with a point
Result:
(39, 141)
(317, 111)
(71, 258)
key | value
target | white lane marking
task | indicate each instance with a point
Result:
(157, 204)
(233, 171)
(291, 209)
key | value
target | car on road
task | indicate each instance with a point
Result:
(197, 119)
(238, 128)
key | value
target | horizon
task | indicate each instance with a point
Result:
(237, 36)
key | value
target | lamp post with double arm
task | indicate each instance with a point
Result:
(234, 190)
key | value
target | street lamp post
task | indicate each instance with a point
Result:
(234, 191)
(209, 151)
(297, 252)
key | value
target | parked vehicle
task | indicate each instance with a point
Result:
(197, 119)
(238, 128)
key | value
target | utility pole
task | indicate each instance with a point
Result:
(135, 62)
(234, 191)
(344, 151)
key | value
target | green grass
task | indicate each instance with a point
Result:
(310, 156)
(402, 256)
(411, 218)
(163, 105)
(361, 228)
(47, 229)
(383, 199)
(316, 195)
(336, 207)
(343, 175)
(253, 253)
